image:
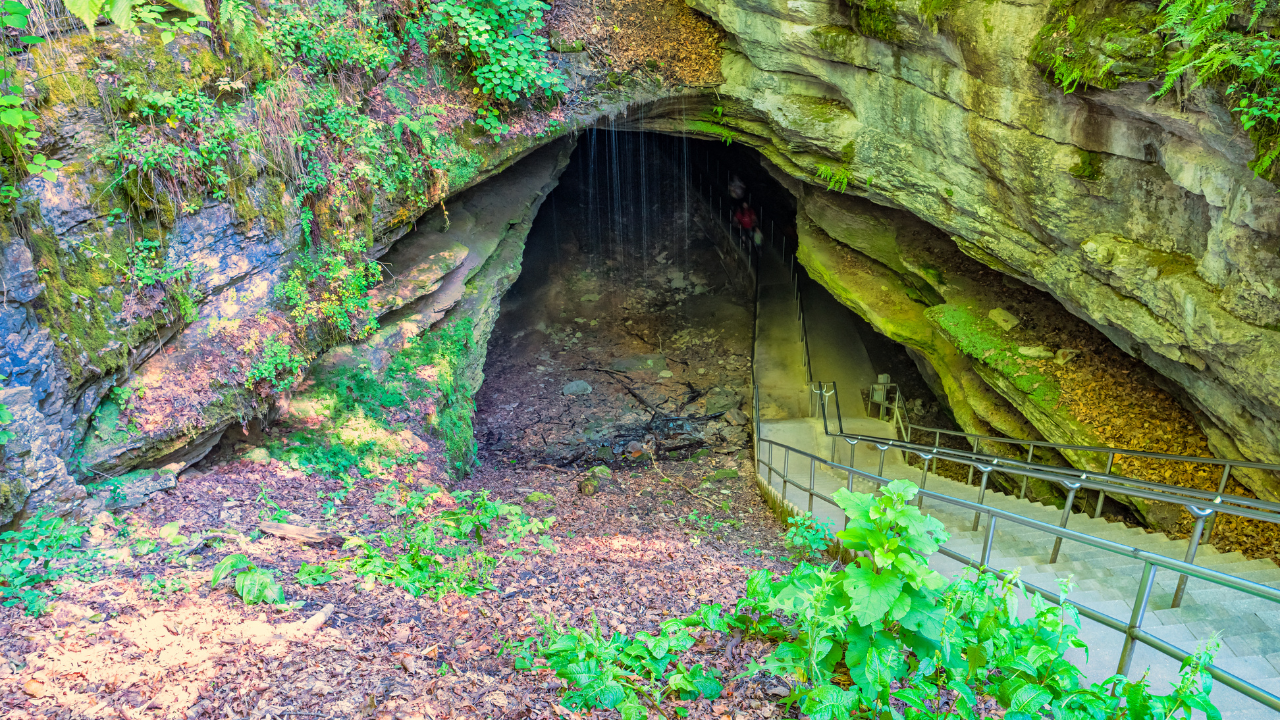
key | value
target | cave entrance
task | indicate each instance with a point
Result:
(630, 329)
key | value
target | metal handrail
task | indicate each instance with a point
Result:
(1069, 480)
(1267, 511)
(1151, 562)
(1132, 629)
(1193, 459)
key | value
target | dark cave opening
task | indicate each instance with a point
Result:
(637, 281)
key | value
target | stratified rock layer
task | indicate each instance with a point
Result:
(1140, 217)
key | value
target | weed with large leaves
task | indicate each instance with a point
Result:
(42, 551)
(630, 675)
(887, 637)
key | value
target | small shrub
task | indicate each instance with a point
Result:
(501, 37)
(253, 584)
(327, 35)
(313, 575)
(906, 640)
(629, 675)
(807, 538)
(277, 364)
(327, 287)
(41, 551)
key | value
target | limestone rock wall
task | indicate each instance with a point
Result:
(1139, 217)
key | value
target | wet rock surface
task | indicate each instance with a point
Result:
(659, 330)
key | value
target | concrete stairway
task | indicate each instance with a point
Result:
(1248, 628)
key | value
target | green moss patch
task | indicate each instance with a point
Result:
(356, 418)
(981, 339)
(83, 299)
(877, 19)
(1099, 44)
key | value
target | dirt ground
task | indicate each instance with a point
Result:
(142, 634)
(151, 639)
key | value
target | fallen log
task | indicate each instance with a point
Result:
(298, 532)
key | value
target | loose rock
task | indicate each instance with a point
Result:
(1003, 318)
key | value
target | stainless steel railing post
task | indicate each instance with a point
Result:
(883, 450)
(1066, 515)
(970, 480)
(1192, 545)
(924, 476)
(1022, 493)
(786, 461)
(988, 541)
(1102, 494)
(1135, 619)
(982, 492)
(1222, 486)
(813, 471)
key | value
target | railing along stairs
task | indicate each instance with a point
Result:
(884, 401)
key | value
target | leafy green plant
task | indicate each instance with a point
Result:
(328, 36)
(271, 510)
(6, 417)
(629, 675)
(187, 146)
(428, 565)
(145, 13)
(128, 14)
(46, 168)
(253, 584)
(475, 511)
(906, 641)
(313, 575)
(41, 551)
(1208, 48)
(837, 179)
(164, 588)
(16, 129)
(1189, 42)
(327, 287)
(807, 538)
(277, 364)
(439, 555)
(502, 39)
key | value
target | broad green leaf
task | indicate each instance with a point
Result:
(610, 694)
(965, 701)
(168, 533)
(871, 595)
(705, 682)
(1029, 698)
(195, 7)
(631, 709)
(257, 586)
(977, 657)
(228, 565)
(829, 702)
(87, 10)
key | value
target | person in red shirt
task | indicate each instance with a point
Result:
(745, 218)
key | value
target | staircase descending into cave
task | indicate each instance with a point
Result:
(788, 357)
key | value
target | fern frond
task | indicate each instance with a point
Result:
(239, 24)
